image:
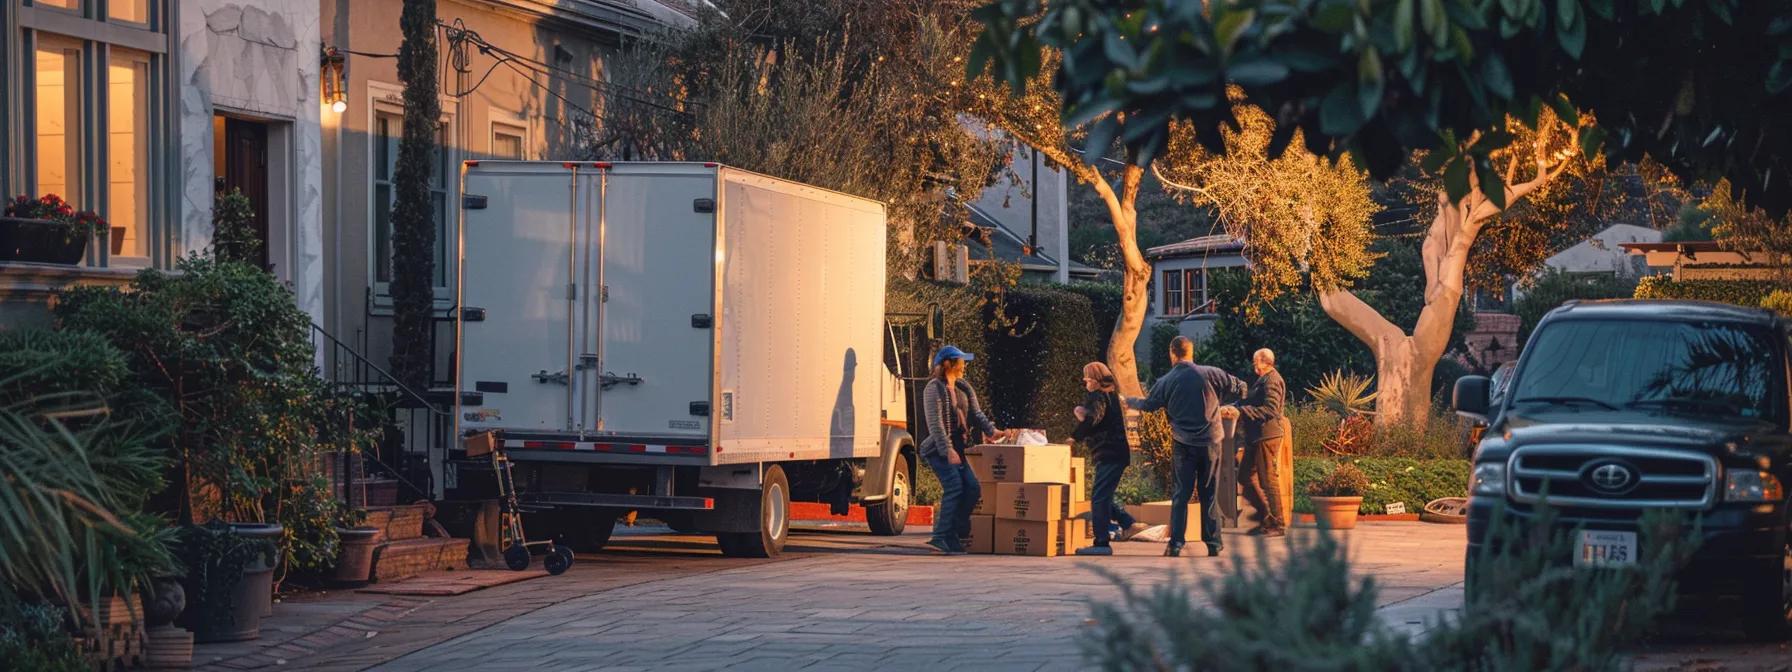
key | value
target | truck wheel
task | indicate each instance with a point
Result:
(1767, 605)
(580, 529)
(774, 521)
(888, 518)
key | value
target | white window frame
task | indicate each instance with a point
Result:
(505, 122)
(388, 99)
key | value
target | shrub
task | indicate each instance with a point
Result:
(1312, 426)
(1105, 300)
(233, 228)
(1345, 480)
(1552, 288)
(1344, 394)
(1780, 301)
(1738, 292)
(1308, 613)
(1036, 359)
(1156, 446)
(1161, 335)
(1411, 482)
(34, 637)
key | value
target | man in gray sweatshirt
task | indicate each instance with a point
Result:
(1192, 396)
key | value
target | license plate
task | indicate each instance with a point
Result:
(1599, 548)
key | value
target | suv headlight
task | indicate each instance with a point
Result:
(1489, 479)
(1752, 486)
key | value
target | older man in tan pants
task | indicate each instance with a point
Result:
(1260, 424)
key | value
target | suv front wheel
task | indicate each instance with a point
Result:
(1767, 608)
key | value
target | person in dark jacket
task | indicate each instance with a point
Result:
(1191, 395)
(1260, 423)
(954, 419)
(1101, 428)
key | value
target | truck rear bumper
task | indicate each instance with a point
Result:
(609, 501)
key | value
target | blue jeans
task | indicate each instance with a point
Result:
(1197, 470)
(959, 493)
(1102, 508)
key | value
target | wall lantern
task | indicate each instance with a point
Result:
(335, 92)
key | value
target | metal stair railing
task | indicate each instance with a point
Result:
(412, 425)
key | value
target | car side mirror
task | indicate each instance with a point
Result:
(1471, 397)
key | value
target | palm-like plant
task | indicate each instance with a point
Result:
(1344, 394)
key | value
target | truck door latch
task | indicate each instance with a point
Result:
(610, 380)
(586, 361)
(544, 377)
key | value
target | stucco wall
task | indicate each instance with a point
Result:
(1011, 204)
(256, 59)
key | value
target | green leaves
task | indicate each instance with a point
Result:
(1493, 186)
(1496, 77)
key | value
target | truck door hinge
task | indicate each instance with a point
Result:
(610, 380)
(544, 377)
(605, 291)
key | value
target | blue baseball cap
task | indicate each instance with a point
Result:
(951, 352)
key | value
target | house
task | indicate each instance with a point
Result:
(1030, 204)
(140, 109)
(1603, 253)
(1706, 261)
(992, 240)
(1179, 293)
(520, 79)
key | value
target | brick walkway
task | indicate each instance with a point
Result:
(885, 607)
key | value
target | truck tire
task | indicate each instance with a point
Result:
(1767, 602)
(774, 521)
(889, 517)
(584, 530)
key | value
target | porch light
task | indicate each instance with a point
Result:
(335, 93)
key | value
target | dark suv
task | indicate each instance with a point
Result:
(1620, 406)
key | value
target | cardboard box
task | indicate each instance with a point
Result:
(983, 535)
(1158, 513)
(1020, 464)
(1080, 510)
(1029, 537)
(1033, 501)
(986, 500)
(1078, 533)
(1079, 479)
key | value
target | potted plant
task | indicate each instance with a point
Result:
(47, 230)
(224, 566)
(355, 547)
(1337, 496)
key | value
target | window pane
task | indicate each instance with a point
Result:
(65, 4)
(382, 233)
(507, 146)
(127, 149)
(1173, 293)
(1196, 286)
(58, 122)
(1636, 366)
(384, 148)
(439, 157)
(438, 206)
(135, 11)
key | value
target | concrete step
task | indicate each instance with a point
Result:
(398, 522)
(398, 560)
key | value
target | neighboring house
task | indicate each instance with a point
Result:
(1603, 253)
(997, 241)
(141, 110)
(528, 87)
(1705, 261)
(1031, 204)
(1179, 284)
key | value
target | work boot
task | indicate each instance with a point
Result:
(1271, 532)
(1213, 551)
(941, 546)
(1131, 531)
(1173, 550)
(1095, 550)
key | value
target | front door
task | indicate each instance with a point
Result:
(244, 166)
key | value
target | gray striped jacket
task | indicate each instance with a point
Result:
(937, 404)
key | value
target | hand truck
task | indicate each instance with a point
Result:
(510, 517)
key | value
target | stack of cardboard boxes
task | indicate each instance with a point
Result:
(1034, 501)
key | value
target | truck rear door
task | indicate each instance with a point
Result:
(521, 236)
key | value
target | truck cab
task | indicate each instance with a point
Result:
(1617, 407)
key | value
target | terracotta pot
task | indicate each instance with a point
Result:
(39, 241)
(354, 557)
(1336, 513)
(167, 648)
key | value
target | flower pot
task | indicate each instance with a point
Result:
(259, 575)
(1336, 513)
(354, 557)
(167, 647)
(116, 240)
(244, 606)
(40, 241)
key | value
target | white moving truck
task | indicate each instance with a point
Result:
(696, 343)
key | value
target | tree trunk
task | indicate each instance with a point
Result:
(1134, 297)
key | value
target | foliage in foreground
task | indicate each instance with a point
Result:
(1526, 611)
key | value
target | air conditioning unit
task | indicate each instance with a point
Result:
(951, 263)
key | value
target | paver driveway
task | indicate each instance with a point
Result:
(869, 605)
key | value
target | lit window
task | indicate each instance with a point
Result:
(1173, 304)
(60, 4)
(1194, 286)
(507, 142)
(127, 147)
(134, 11)
(58, 120)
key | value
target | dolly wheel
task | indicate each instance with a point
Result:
(557, 561)
(517, 557)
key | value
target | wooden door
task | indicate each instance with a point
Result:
(246, 168)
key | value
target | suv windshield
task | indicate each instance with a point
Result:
(1709, 369)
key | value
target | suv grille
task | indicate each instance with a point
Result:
(1612, 477)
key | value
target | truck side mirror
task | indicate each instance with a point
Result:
(1471, 397)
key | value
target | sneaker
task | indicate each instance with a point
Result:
(1275, 532)
(1131, 531)
(1257, 531)
(1095, 550)
(941, 546)
(1173, 549)
(1213, 551)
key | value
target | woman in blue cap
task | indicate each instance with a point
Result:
(953, 414)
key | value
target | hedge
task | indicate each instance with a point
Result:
(1105, 302)
(1042, 338)
(1739, 292)
(1413, 482)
